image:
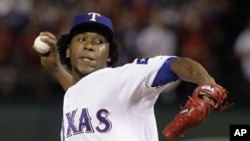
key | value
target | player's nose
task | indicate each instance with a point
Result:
(88, 46)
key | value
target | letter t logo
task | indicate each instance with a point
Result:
(93, 18)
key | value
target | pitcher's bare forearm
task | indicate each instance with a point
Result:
(51, 61)
(63, 77)
(191, 71)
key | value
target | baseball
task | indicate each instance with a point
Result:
(40, 46)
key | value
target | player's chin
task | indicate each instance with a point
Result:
(90, 66)
(86, 69)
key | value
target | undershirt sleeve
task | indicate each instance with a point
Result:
(165, 74)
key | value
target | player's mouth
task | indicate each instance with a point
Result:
(86, 58)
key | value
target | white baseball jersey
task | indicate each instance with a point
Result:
(114, 104)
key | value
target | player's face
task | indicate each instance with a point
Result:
(88, 52)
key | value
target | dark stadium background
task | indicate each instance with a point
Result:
(31, 99)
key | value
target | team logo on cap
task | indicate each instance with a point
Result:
(93, 16)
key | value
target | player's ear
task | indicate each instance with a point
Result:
(67, 52)
(109, 60)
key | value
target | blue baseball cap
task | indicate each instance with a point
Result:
(92, 22)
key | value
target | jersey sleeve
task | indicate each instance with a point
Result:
(142, 81)
(156, 71)
(165, 75)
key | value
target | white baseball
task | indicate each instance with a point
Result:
(40, 46)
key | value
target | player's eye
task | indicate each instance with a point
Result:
(98, 41)
(81, 39)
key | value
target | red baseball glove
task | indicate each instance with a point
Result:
(204, 99)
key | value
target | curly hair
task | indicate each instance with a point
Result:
(64, 41)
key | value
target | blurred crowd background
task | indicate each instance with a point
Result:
(216, 33)
(205, 30)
